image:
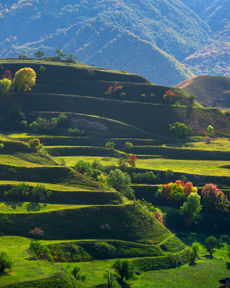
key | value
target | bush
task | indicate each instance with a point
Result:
(25, 79)
(37, 250)
(121, 182)
(180, 130)
(147, 177)
(211, 243)
(128, 145)
(191, 208)
(5, 85)
(213, 199)
(5, 262)
(109, 145)
(177, 191)
(24, 192)
(83, 167)
(43, 125)
(77, 275)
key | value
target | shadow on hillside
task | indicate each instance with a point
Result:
(30, 207)
(13, 205)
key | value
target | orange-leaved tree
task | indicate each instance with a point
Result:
(25, 79)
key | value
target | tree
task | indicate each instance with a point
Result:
(71, 58)
(180, 130)
(23, 55)
(109, 145)
(211, 243)
(5, 262)
(210, 131)
(194, 253)
(5, 85)
(77, 275)
(128, 145)
(39, 54)
(60, 53)
(25, 79)
(121, 182)
(110, 276)
(213, 199)
(1, 145)
(123, 270)
(191, 208)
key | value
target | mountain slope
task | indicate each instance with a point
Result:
(87, 29)
(209, 90)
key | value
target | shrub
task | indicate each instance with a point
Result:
(213, 199)
(35, 143)
(25, 79)
(5, 85)
(191, 208)
(128, 145)
(211, 243)
(1, 145)
(43, 125)
(5, 262)
(37, 250)
(132, 160)
(169, 97)
(121, 181)
(109, 145)
(24, 192)
(177, 191)
(83, 167)
(148, 177)
(124, 270)
(180, 130)
(77, 275)
(110, 276)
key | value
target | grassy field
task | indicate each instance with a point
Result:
(15, 161)
(24, 268)
(32, 207)
(53, 187)
(204, 275)
(202, 167)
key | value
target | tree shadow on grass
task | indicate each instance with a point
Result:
(228, 265)
(13, 205)
(33, 206)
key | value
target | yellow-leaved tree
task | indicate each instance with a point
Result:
(25, 79)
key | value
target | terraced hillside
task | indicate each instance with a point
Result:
(77, 218)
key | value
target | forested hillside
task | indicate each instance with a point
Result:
(89, 30)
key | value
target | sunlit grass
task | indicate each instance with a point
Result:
(24, 268)
(200, 167)
(32, 207)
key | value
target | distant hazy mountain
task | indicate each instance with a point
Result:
(146, 37)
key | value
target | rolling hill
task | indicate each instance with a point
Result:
(212, 91)
(78, 218)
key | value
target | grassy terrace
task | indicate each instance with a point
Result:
(24, 269)
(32, 207)
(53, 187)
(202, 167)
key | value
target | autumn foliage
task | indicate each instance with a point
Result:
(112, 89)
(25, 79)
(214, 199)
(169, 96)
(7, 75)
(177, 191)
(132, 160)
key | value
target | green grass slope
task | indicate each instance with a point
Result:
(209, 90)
